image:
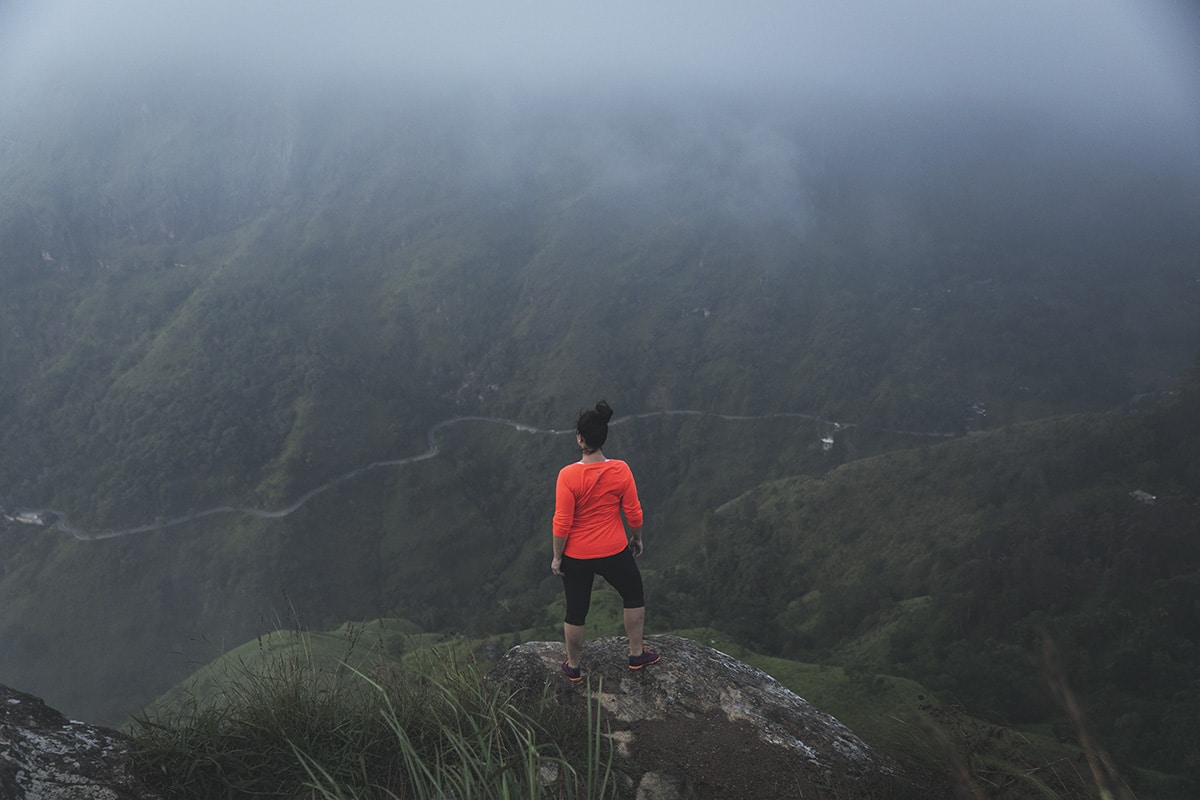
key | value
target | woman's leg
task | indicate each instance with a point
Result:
(622, 573)
(577, 589)
(635, 621)
(573, 635)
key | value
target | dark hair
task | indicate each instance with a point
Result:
(593, 425)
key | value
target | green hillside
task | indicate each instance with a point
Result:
(255, 703)
(230, 296)
(224, 297)
(955, 564)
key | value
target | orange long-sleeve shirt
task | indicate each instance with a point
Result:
(588, 501)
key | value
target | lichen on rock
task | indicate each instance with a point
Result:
(45, 756)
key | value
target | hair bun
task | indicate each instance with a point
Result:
(604, 410)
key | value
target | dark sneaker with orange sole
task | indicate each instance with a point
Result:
(574, 674)
(647, 657)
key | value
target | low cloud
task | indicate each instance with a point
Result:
(1105, 59)
(740, 102)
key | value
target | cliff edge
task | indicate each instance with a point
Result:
(701, 724)
(45, 756)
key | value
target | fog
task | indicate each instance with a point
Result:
(915, 186)
(740, 102)
(1115, 64)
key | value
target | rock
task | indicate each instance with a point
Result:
(702, 724)
(44, 756)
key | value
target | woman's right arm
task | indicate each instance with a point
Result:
(564, 516)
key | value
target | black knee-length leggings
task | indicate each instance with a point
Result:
(621, 572)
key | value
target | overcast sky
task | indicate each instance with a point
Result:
(1088, 56)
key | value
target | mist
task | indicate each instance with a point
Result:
(747, 108)
(1115, 66)
(248, 247)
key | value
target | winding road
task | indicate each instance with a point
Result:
(63, 524)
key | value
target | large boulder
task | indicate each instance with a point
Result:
(45, 756)
(702, 724)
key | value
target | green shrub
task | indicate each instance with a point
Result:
(430, 727)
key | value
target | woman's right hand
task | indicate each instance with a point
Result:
(636, 547)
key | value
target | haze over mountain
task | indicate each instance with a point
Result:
(248, 249)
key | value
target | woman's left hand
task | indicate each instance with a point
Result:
(556, 566)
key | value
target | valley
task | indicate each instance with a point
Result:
(60, 521)
(299, 348)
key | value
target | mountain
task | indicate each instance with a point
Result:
(224, 299)
(984, 567)
(221, 295)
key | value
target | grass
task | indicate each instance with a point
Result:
(294, 723)
(383, 711)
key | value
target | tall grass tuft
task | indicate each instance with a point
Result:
(430, 728)
(1109, 783)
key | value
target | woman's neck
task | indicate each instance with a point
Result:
(594, 457)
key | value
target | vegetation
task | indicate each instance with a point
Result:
(291, 722)
(962, 565)
(231, 298)
(383, 710)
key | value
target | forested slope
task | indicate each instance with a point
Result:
(953, 564)
(224, 295)
(230, 297)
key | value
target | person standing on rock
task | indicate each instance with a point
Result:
(590, 539)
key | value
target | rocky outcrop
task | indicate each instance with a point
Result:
(703, 724)
(44, 756)
(699, 724)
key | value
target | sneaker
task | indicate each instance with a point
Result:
(574, 674)
(647, 657)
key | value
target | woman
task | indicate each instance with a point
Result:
(590, 539)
